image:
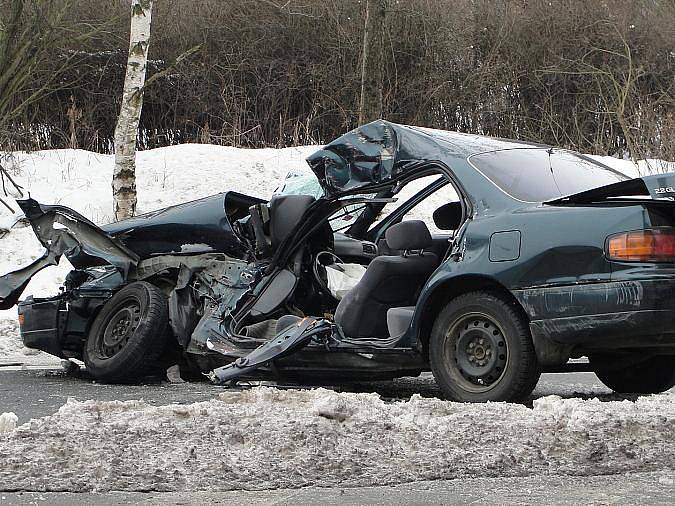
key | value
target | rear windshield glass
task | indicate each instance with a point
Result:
(537, 175)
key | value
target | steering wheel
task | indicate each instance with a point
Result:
(318, 263)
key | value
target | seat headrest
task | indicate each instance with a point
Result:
(408, 235)
(448, 216)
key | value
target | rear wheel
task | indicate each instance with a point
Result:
(481, 350)
(129, 334)
(650, 376)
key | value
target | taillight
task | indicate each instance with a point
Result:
(22, 318)
(649, 245)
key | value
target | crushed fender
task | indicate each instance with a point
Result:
(63, 231)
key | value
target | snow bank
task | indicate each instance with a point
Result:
(269, 438)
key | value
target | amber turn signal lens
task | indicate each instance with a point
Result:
(649, 245)
(21, 320)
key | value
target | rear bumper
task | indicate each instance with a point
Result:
(599, 316)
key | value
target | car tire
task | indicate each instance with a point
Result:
(481, 350)
(651, 376)
(128, 336)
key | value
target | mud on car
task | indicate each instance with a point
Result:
(508, 261)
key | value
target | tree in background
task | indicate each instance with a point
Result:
(42, 48)
(126, 131)
(373, 56)
(591, 76)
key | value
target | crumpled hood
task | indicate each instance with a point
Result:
(63, 231)
(192, 228)
(195, 227)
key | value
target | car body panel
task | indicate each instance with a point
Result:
(200, 226)
(63, 231)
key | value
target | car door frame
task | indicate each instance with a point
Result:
(376, 234)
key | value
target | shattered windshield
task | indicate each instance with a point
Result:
(541, 174)
(300, 183)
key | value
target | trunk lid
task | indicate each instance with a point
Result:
(660, 187)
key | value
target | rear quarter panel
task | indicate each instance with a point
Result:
(560, 246)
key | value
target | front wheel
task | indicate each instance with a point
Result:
(481, 350)
(652, 375)
(128, 335)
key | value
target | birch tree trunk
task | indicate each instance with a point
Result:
(372, 70)
(124, 175)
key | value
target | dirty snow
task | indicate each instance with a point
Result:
(8, 422)
(166, 176)
(268, 438)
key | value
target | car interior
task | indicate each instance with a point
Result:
(399, 255)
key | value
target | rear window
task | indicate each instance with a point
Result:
(540, 174)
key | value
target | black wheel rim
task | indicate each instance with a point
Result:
(119, 328)
(479, 351)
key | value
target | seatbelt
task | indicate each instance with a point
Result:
(259, 216)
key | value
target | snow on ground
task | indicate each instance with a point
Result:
(268, 438)
(166, 176)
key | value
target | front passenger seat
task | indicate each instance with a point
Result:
(390, 281)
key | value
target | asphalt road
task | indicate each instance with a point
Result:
(639, 489)
(33, 393)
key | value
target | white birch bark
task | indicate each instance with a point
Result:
(124, 175)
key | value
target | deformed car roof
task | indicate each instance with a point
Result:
(381, 150)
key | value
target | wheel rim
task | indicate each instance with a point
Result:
(478, 350)
(119, 328)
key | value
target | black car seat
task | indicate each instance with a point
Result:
(286, 211)
(390, 281)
